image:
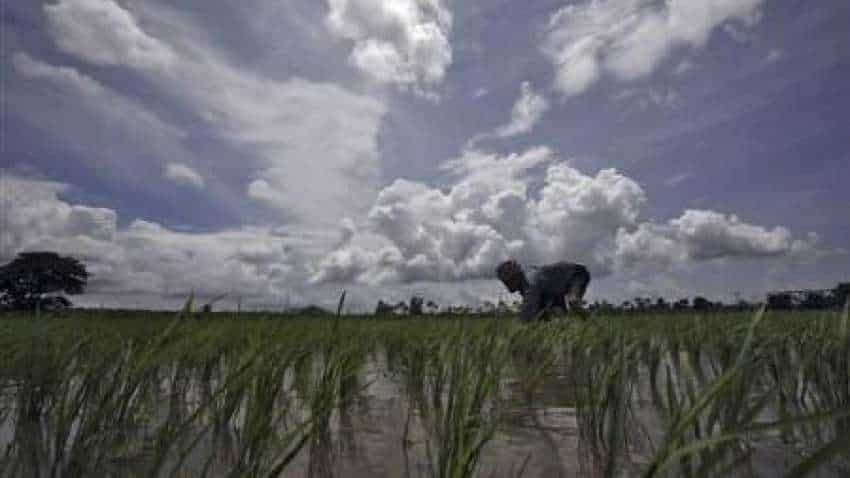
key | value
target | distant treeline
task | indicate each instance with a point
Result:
(780, 300)
(36, 281)
(810, 299)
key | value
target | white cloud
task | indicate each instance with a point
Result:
(33, 211)
(114, 134)
(147, 264)
(313, 145)
(677, 179)
(684, 66)
(96, 97)
(414, 234)
(31, 68)
(527, 111)
(312, 153)
(183, 175)
(417, 233)
(741, 33)
(260, 190)
(645, 98)
(493, 211)
(774, 55)
(700, 235)
(403, 42)
(145, 257)
(104, 33)
(630, 38)
(711, 235)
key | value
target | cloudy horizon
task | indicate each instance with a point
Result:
(283, 151)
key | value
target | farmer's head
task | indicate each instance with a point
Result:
(511, 274)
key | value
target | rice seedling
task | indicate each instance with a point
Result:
(719, 394)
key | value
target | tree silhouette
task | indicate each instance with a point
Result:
(841, 293)
(815, 300)
(780, 301)
(416, 304)
(25, 281)
(701, 303)
(383, 308)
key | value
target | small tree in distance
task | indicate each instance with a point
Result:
(416, 305)
(26, 280)
(701, 303)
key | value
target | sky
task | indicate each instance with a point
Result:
(282, 151)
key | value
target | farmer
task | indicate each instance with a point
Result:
(546, 288)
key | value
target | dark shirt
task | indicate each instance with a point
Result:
(549, 284)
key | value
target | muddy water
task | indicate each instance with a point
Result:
(539, 435)
(381, 434)
(385, 437)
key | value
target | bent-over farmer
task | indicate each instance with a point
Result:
(546, 288)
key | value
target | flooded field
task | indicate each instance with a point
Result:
(666, 395)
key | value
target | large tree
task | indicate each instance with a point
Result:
(26, 280)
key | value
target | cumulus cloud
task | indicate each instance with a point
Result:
(145, 257)
(415, 232)
(260, 190)
(183, 175)
(150, 265)
(310, 151)
(527, 111)
(629, 39)
(404, 42)
(493, 211)
(104, 33)
(700, 235)
(32, 211)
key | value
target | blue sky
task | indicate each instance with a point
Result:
(285, 150)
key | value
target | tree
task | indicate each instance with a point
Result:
(383, 308)
(780, 301)
(416, 304)
(701, 303)
(841, 293)
(815, 300)
(26, 280)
